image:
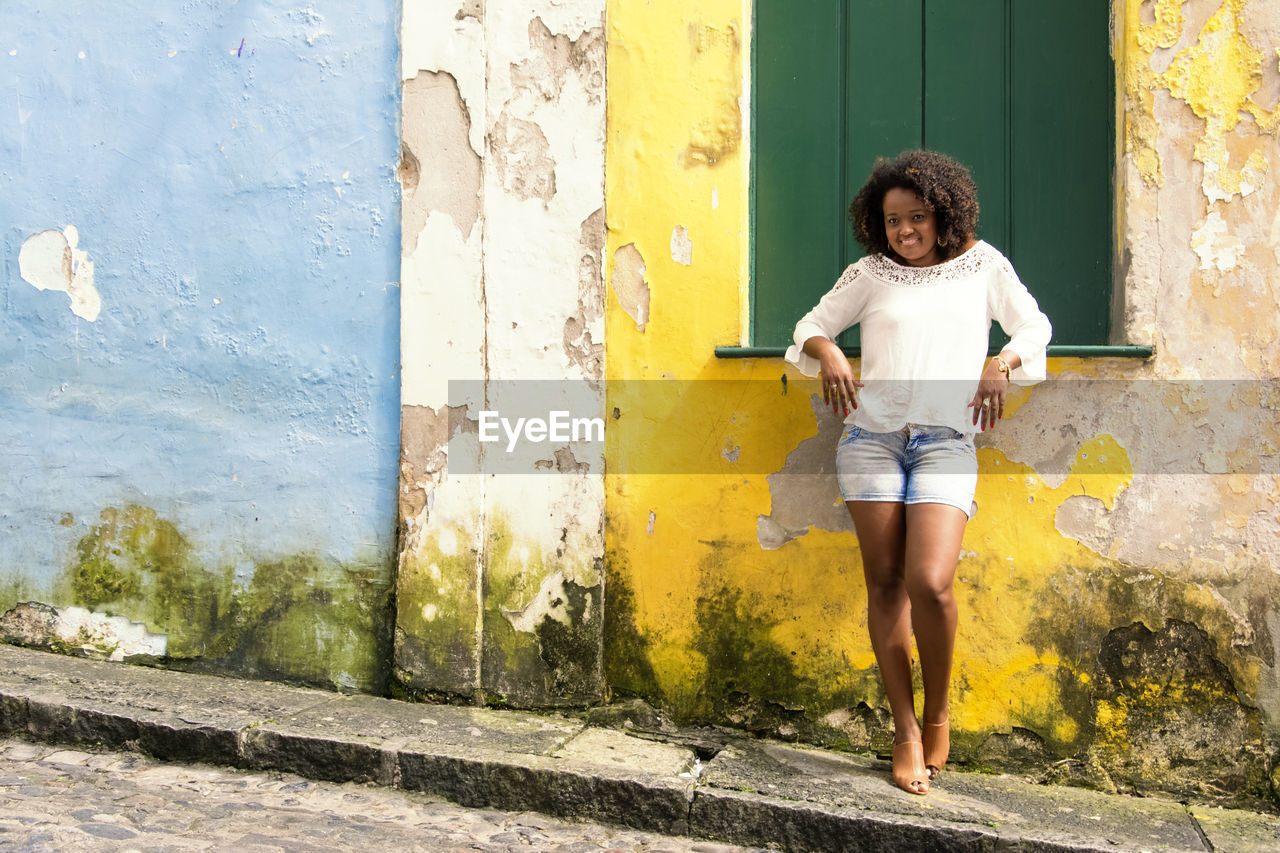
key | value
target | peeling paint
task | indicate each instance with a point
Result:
(1118, 614)
(1275, 236)
(1116, 593)
(582, 329)
(544, 235)
(205, 447)
(801, 502)
(523, 159)
(1142, 39)
(1084, 518)
(629, 285)
(565, 462)
(66, 629)
(554, 57)
(581, 349)
(549, 602)
(716, 69)
(424, 438)
(1218, 77)
(51, 260)
(1218, 249)
(542, 639)
(437, 37)
(681, 246)
(435, 131)
(523, 294)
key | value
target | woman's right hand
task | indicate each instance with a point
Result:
(839, 384)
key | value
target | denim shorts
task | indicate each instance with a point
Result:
(917, 464)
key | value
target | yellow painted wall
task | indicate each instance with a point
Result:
(706, 623)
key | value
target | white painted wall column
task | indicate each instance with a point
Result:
(501, 584)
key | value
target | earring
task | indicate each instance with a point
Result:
(942, 241)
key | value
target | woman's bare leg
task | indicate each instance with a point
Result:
(933, 536)
(881, 528)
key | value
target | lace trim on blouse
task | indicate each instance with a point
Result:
(848, 277)
(961, 266)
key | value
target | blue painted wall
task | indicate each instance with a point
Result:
(216, 454)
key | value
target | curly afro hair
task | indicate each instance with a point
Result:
(945, 186)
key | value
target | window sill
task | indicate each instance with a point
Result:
(1055, 351)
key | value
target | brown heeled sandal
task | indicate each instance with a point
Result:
(937, 746)
(909, 772)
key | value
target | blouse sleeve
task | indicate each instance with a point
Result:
(1012, 305)
(838, 310)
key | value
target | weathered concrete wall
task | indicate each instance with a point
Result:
(500, 589)
(201, 391)
(1118, 584)
(198, 241)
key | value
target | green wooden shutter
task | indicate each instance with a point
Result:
(1021, 93)
(884, 98)
(796, 113)
(966, 100)
(1063, 162)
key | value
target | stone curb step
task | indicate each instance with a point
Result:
(752, 793)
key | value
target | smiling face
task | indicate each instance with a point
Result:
(911, 228)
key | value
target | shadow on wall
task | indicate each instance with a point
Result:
(300, 618)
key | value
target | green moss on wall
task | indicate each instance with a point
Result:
(1168, 711)
(753, 681)
(627, 666)
(97, 581)
(435, 638)
(304, 617)
(750, 678)
(1158, 678)
(16, 588)
(558, 661)
(571, 651)
(510, 663)
(555, 664)
(136, 563)
(1082, 611)
(301, 618)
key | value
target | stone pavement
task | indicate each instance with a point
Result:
(737, 791)
(54, 798)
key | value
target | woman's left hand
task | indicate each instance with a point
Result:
(988, 402)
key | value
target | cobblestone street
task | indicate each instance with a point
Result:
(59, 799)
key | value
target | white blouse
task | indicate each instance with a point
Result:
(925, 335)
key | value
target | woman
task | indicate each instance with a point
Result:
(925, 296)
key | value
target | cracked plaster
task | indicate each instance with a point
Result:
(520, 292)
